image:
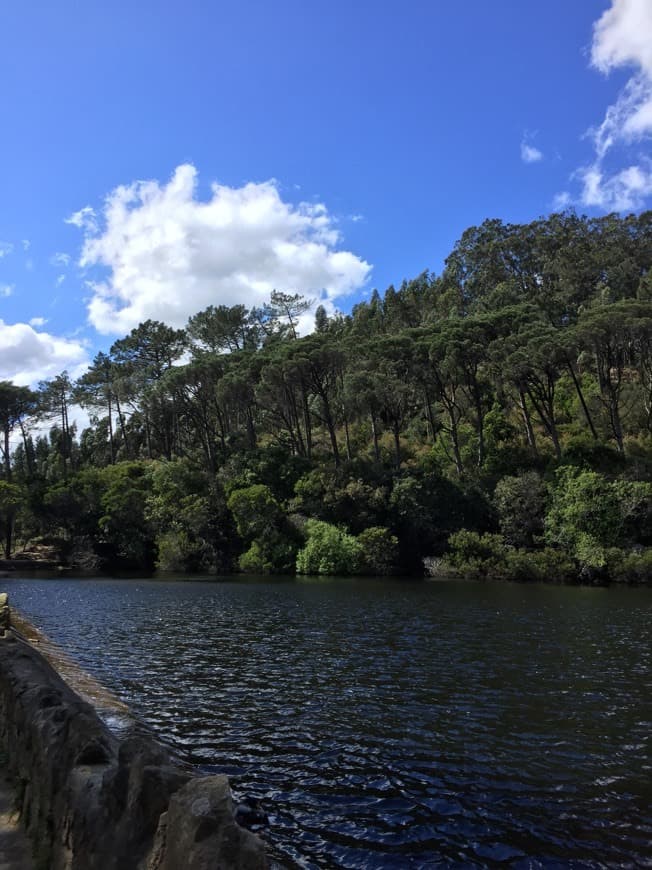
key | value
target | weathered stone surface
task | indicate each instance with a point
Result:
(4, 612)
(200, 829)
(92, 802)
(15, 851)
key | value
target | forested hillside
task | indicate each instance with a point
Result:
(498, 415)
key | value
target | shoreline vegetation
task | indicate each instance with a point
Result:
(494, 421)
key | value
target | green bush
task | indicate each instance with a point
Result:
(255, 561)
(477, 555)
(329, 550)
(263, 525)
(590, 514)
(634, 568)
(178, 552)
(521, 503)
(379, 550)
(540, 566)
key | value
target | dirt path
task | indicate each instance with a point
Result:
(15, 850)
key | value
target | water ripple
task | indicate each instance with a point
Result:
(389, 725)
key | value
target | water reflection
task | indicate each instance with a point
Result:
(383, 724)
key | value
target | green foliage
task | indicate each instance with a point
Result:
(188, 512)
(107, 506)
(590, 514)
(12, 496)
(633, 567)
(477, 555)
(426, 508)
(337, 498)
(487, 557)
(329, 550)
(12, 499)
(635, 507)
(584, 513)
(255, 511)
(275, 555)
(124, 523)
(429, 411)
(379, 550)
(271, 465)
(262, 524)
(520, 503)
(541, 566)
(178, 551)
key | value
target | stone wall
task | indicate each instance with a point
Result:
(91, 801)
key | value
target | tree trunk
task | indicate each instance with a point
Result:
(111, 444)
(397, 446)
(549, 424)
(580, 395)
(328, 419)
(374, 433)
(7, 456)
(9, 533)
(28, 455)
(121, 420)
(531, 439)
(429, 415)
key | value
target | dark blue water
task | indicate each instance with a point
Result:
(389, 723)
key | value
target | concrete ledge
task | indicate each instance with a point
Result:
(91, 801)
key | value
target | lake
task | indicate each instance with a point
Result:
(390, 723)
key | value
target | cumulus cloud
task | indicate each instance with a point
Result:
(530, 154)
(618, 179)
(27, 355)
(622, 36)
(164, 254)
(6, 289)
(624, 190)
(5, 249)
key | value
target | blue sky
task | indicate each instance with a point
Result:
(158, 157)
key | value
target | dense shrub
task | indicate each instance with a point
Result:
(177, 551)
(262, 524)
(521, 503)
(379, 550)
(546, 565)
(590, 514)
(329, 550)
(633, 567)
(477, 555)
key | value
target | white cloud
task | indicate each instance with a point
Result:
(26, 244)
(27, 355)
(60, 280)
(629, 119)
(84, 219)
(530, 154)
(37, 321)
(624, 190)
(169, 254)
(60, 259)
(622, 37)
(561, 200)
(5, 249)
(6, 289)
